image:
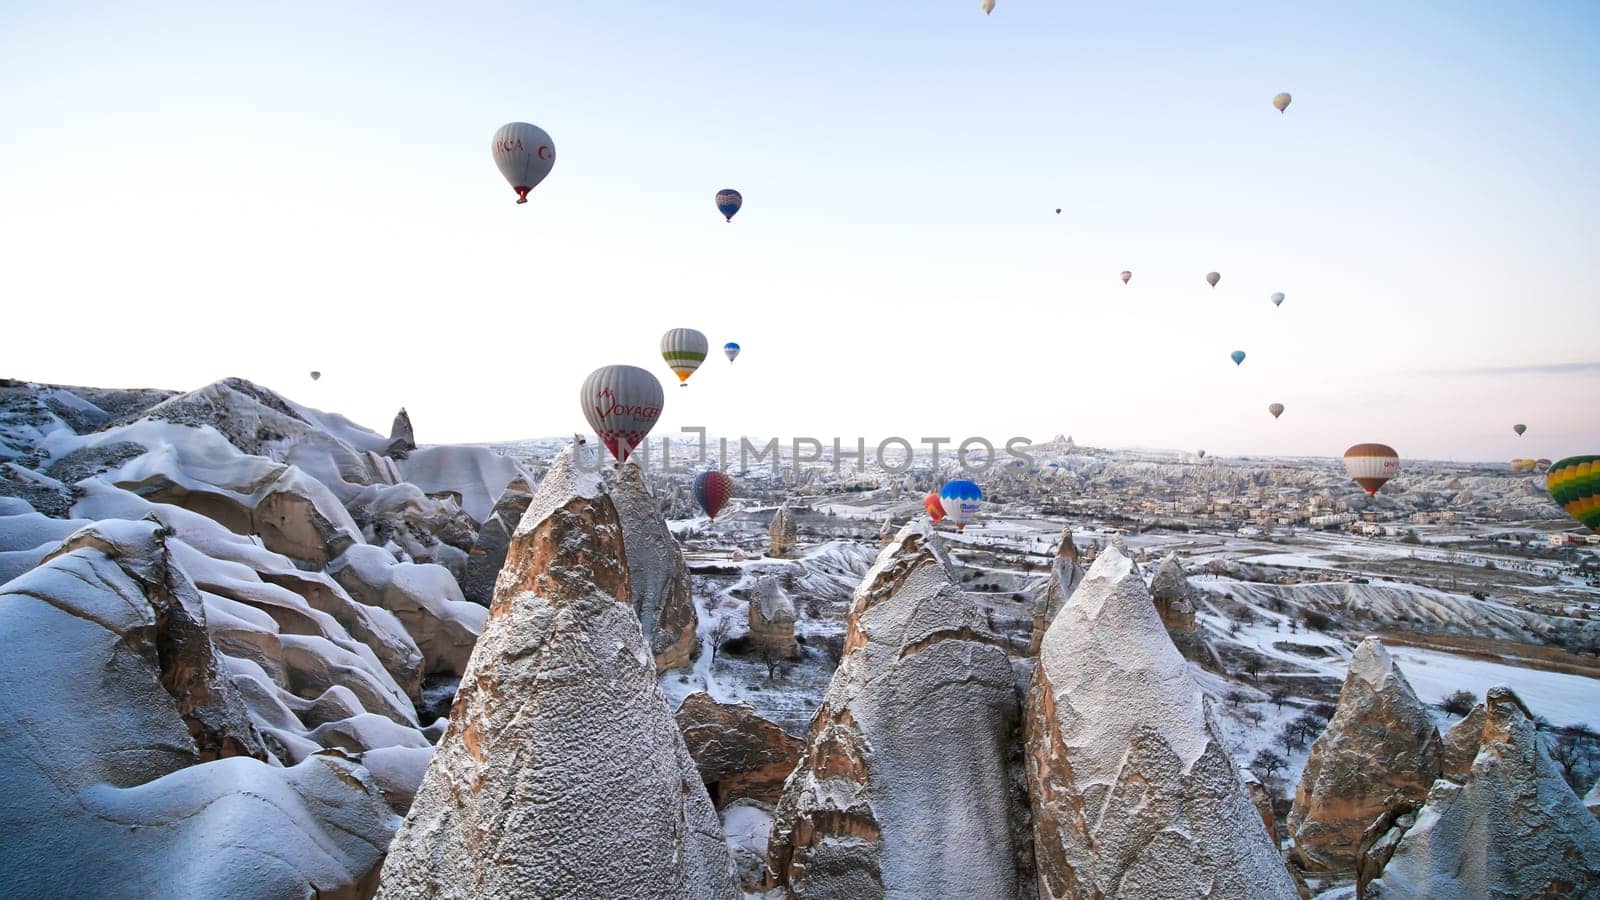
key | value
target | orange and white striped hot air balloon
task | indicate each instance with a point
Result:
(1372, 465)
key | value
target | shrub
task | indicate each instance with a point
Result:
(1459, 703)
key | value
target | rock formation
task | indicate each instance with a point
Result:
(662, 594)
(1592, 799)
(887, 532)
(781, 534)
(1381, 743)
(562, 774)
(1513, 829)
(740, 755)
(1459, 746)
(1262, 800)
(424, 598)
(401, 440)
(1132, 792)
(905, 788)
(772, 617)
(1065, 574)
(1173, 596)
(128, 752)
(488, 552)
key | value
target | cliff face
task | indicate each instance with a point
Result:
(1381, 747)
(562, 773)
(1065, 574)
(1133, 795)
(905, 787)
(658, 575)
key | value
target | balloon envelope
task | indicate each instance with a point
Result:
(1277, 299)
(961, 501)
(1202, 454)
(1520, 466)
(728, 202)
(712, 490)
(684, 349)
(524, 154)
(988, 6)
(1276, 409)
(1281, 102)
(1519, 429)
(1574, 483)
(933, 506)
(1127, 276)
(1213, 277)
(1372, 465)
(622, 404)
(731, 350)
(315, 376)
(1238, 356)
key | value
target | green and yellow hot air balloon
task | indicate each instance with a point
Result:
(1574, 483)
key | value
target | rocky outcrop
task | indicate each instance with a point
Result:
(772, 617)
(488, 552)
(401, 439)
(782, 533)
(1173, 596)
(562, 774)
(887, 532)
(1262, 800)
(1592, 799)
(424, 598)
(663, 597)
(1513, 829)
(741, 756)
(128, 753)
(1065, 574)
(1132, 792)
(1380, 744)
(1459, 746)
(905, 787)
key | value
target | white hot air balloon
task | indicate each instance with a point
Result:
(1212, 278)
(1281, 102)
(988, 7)
(524, 153)
(684, 349)
(621, 404)
(1277, 299)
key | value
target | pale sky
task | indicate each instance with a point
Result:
(190, 191)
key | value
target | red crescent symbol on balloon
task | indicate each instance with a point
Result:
(544, 151)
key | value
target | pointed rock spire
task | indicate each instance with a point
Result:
(562, 773)
(1065, 574)
(658, 577)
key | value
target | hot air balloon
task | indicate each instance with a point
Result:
(1277, 299)
(933, 506)
(1202, 454)
(988, 7)
(1281, 102)
(731, 350)
(524, 153)
(622, 404)
(1371, 465)
(1212, 278)
(1542, 465)
(1519, 429)
(728, 202)
(1127, 276)
(1276, 409)
(1238, 356)
(316, 376)
(1058, 211)
(711, 490)
(1574, 483)
(961, 500)
(684, 349)
(1519, 466)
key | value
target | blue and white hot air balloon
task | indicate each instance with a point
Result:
(731, 349)
(961, 501)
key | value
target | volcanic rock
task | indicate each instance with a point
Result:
(772, 617)
(1065, 575)
(488, 552)
(740, 755)
(781, 534)
(659, 578)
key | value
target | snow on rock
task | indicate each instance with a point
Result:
(424, 597)
(1132, 792)
(475, 474)
(1513, 829)
(1065, 575)
(781, 534)
(904, 789)
(1380, 747)
(1173, 596)
(771, 619)
(1592, 799)
(143, 770)
(402, 440)
(740, 755)
(562, 773)
(657, 574)
(488, 552)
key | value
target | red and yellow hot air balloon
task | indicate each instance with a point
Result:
(1372, 465)
(933, 506)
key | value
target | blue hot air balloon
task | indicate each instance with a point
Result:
(1238, 357)
(728, 202)
(731, 349)
(961, 501)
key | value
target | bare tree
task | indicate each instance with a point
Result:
(721, 632)
(774, 661)
(1268, 763)
(1279, 697)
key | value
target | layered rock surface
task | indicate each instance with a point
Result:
(905, 788)
(1065, 575)
(1513, 829)
(562, 773)
(741, 756)
(662, 594)
(1132, 792)
(1381, 744)
(771, 620)
(488, 552)
(782, 532)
